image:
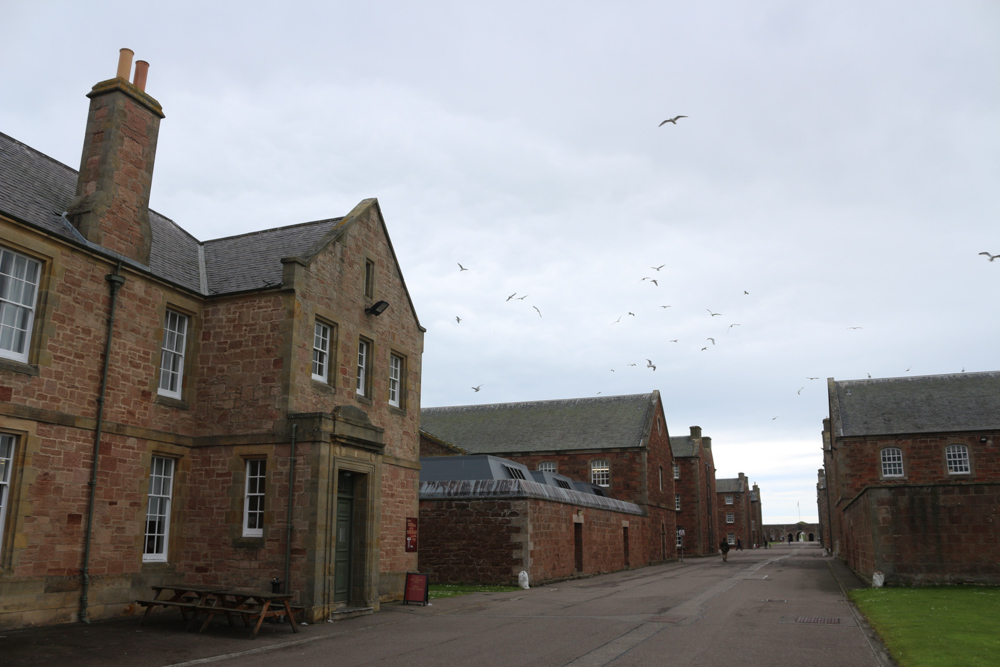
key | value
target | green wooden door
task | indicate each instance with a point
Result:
(345, 529)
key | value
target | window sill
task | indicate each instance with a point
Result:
(18, 367)
(171, 402)
(364, 400)
(323, 386)
(397, 411)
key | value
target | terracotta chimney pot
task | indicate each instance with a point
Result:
(124, 63)
(141, 69)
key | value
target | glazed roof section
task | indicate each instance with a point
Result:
(37, 190)
(919, 404)
(545, 426)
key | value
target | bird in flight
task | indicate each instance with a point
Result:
(632, 314)
(521, 298)
(657, 268)
(992, 257)
(713, 314)
(511, 297)
(869, 376)
(731, 326)
(631, 364)
(671, 120)
(663, 306)
(800, 390)
(809, 378)
(476, 389)
(460, 267)
(773, 418)
(746, 292)
(458, 319)
(612, 370)
(703, 349)
(711, 339)
(908, 369)
(673, 340)
(618, 320)
(650, 364)
(855, 327)
(537, 311)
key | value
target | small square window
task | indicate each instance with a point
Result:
(547, 466)
(892, 462)
(729, 500)
(600, 473)
(731, 538)
(730, 517)
(957, 457)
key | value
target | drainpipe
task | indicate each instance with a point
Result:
(288, 522)
(116, 280)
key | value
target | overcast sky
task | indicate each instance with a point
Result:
(837, 168)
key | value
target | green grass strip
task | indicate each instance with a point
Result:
(438, 591)
(942, 626)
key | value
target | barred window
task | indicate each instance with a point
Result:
(600, 473)
(892, 462)
(957, 457)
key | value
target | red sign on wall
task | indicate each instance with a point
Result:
(411, 534)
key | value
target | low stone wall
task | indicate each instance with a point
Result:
(925, 534)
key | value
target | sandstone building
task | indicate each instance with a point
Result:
(220, 413)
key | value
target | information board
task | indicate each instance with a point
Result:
(416, 588)
(411, 534)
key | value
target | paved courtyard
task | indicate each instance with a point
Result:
(763, 607)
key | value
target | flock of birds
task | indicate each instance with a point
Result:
(656, 283)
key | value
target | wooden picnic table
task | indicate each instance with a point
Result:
(248, 604)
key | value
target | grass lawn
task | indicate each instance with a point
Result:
(942, 626)
(438, 591)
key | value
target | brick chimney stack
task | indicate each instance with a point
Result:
(111, 207)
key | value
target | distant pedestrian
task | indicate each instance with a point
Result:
(789, 539)
(739, 544)
(724, 548)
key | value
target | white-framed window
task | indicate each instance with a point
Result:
(677, 502)
(680, 538)
(957, 457)
(677, 471)
(600, 472)
(175, 328)
(892, 462)
(19, 276)
(321, 352)
(396, 366)
(547, 466)
(729, 500)
(7, 443)
(161, 484)
(732, 538)
(730, 517)
(363, 387)
(253, 498)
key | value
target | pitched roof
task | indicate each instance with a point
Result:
(730, 485)
(37, 190)
(545, 426)
(919, 404)
(683, 446)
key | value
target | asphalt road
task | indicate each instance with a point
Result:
(777, 606)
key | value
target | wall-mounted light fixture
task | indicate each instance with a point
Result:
(377, 308)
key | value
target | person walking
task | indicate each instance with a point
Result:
(724, 548)
(739, 544)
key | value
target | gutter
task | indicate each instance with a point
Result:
(116, 280)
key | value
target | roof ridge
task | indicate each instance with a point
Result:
(261, 232)
(549, 401)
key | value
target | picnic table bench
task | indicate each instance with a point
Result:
(248, 604)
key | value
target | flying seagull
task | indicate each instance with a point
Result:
(460, 267)
(855, 327)
(671, 120)
(521, 298)
(632, 314)
(631, 364)
(618, 320)
(746, 292)
(458, 319)
(663, 306)
(703, 349)
(649, 364)
(673, 340)
(711, 339)
(537, 311)
(800, 390)
(731, 326)
(712, 314)
(510, 297)
(657, 268)
(992, 257)
(809, 378)
(476, 389)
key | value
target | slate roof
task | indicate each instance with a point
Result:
(919, 404)
(682, 446)
(730, 485)
(545, 426)
(36, 190)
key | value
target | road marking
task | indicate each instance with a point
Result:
(615, 648)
